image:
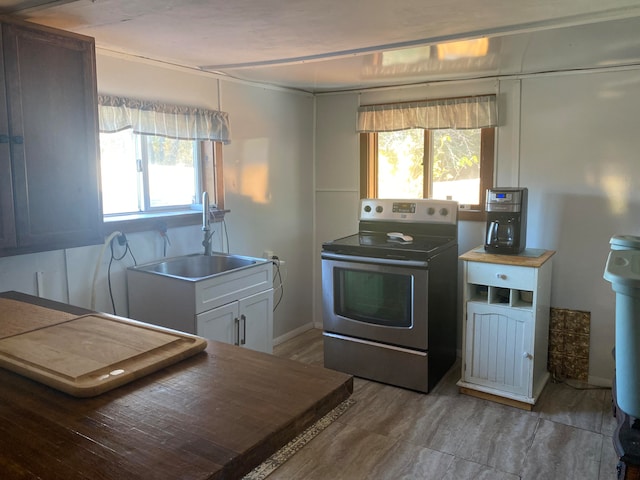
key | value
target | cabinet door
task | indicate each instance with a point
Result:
(256, 321)
(248, 322)
(51, 97)
(7, 218)
(499, 352)
(220, 324)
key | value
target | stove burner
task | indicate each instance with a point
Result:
(400, 229)
(381, 246)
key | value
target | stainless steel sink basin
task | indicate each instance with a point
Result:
(197, 266)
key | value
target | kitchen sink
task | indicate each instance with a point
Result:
(196, 266)
(220, 296)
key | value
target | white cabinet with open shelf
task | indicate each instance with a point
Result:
(505, 325)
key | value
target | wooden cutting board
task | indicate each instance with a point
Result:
(19, 317)
(87, 355)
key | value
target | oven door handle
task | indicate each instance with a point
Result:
(374, 260)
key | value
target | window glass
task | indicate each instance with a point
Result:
(455, 165)
(400, 164)
(453, 158)
(119, 172)
(141, 173)
(171, 170)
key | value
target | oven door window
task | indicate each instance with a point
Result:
(373, 297)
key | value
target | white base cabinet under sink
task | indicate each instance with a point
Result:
(506, 325)
(247, 322)
(233, 307)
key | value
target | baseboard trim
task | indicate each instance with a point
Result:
(600, 381)
(293, 333)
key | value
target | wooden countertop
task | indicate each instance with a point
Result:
(529, 258)
(215, 415)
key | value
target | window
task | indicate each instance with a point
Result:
(146, 173)
(440, 149)
(417, 163)
(156, 160)
(148, 178)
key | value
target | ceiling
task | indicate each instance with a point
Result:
(331, 45)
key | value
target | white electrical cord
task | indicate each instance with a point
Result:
(95, 272)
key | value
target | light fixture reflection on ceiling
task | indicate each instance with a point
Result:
(405, 56)
(463, 49)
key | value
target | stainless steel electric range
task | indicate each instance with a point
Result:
(389, 293)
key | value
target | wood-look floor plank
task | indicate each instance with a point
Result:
(395, 433)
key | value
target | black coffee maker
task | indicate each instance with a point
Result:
(506, 220)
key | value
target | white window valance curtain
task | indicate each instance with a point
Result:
(457, 113)
(154, 118)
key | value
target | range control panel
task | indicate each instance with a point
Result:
(420, 210)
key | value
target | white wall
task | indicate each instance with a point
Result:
(579, 158)
(268, 171)
(337, 179)
(269, 191)
(569, 138)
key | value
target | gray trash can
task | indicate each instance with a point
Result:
(623, 271)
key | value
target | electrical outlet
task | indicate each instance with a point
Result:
(277, 260)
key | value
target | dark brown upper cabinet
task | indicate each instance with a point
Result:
(49, 156)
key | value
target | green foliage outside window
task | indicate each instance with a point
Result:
(167, 151)
(455, 157)
(455, 154)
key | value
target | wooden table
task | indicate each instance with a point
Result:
(215, 415)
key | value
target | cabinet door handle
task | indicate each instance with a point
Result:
(5, 139)
(501, 276)
(236, 341)
(244, 329)
(527, 355)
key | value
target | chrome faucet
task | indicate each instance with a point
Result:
(206, 224)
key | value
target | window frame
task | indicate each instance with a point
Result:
(369, 169)
(211, 174)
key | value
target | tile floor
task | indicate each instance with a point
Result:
(392, 433)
